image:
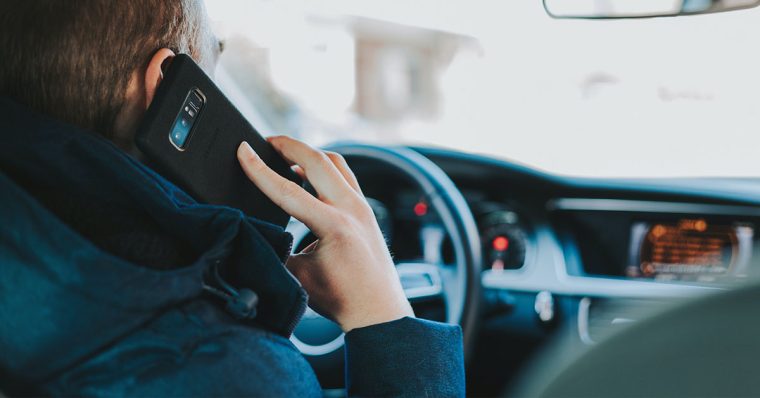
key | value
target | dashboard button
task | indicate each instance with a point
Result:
(544, 307)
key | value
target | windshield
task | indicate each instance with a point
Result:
(618, 98)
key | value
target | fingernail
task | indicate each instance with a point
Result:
(245, 150)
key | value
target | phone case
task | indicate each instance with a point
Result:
(206, 165)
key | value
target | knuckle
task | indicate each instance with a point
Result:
(278, 138)
(322, 159)
(342, 236)
(352, 222)
(288, 189)
(358, 206)
(336, 157)
(343, 225)
(279, 141)
(362, 207)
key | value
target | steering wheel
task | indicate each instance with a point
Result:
(458, 284)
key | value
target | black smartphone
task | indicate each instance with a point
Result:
(190, 134)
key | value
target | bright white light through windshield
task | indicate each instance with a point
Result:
(625, 98)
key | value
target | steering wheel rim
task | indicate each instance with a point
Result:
(458, 222)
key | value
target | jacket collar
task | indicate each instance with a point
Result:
(69, 197)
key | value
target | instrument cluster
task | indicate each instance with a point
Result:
(504, 235)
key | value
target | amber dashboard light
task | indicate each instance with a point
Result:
(658, 231)
(688, 247)
(698, 225)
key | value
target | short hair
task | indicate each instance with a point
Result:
(73, 59)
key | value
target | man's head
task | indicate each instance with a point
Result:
(97, 63)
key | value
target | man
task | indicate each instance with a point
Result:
(108, 270)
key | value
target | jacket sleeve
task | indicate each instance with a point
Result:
(406, 357)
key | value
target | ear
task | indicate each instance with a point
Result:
(155, 72)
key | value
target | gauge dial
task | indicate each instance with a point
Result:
(504, 241)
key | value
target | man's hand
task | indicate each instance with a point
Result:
(348, 271)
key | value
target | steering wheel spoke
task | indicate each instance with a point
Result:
(420, 280)
(452, 287)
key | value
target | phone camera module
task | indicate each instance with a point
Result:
(186, 119)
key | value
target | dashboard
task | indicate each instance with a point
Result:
(540, 237)
(658, 241)
(575, 256)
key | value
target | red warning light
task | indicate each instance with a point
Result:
(500, 243)
(420, 209)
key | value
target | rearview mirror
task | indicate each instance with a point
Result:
(616, 9)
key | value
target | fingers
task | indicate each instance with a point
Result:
(283, 192)
(341, 165)
(348, 174)
(298, 170)
(317, 166)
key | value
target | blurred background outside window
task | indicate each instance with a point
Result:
(622, 98)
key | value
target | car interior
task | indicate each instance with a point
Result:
(548, 175)
(554, 260)
(573, 182)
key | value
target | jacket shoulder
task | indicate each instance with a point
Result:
(196, 350)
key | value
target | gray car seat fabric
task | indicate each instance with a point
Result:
(708, 347)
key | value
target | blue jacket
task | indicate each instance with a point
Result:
(102, 271)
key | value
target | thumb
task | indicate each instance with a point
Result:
(298, 265)
(296, 259)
